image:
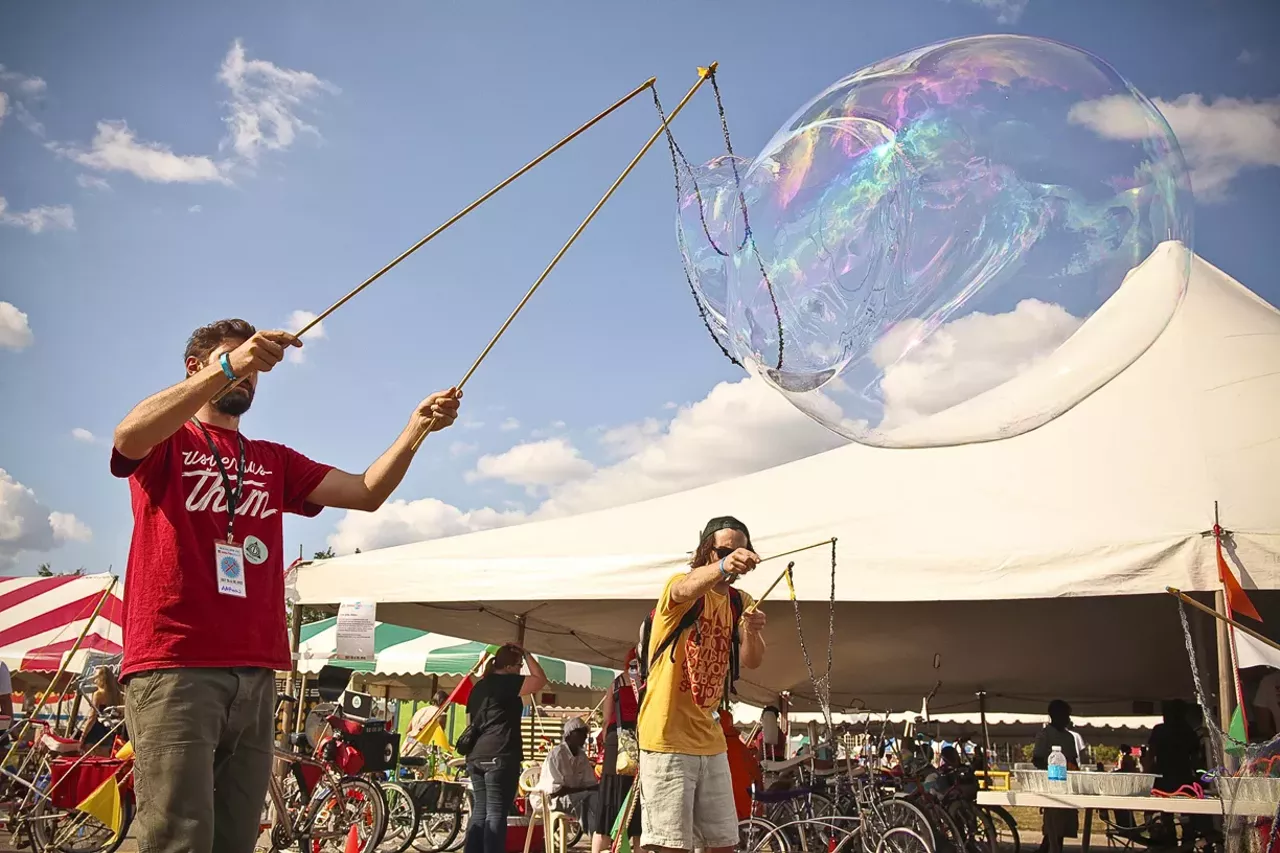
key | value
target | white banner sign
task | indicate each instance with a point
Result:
(356, 622)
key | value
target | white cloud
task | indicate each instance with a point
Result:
(264, 99)
(47, 217)
(1248, 57)
(92, 182)
(31, 87)
(296, 321)
(4, 106)
(670, 406)
(534, 465)
(115, 148)
(740, 427)
(195, 208)
(68, 528)
(1220, 138)
(462, 448)
(630, 439)
(26, 525)
(399, 522)
(509, 425)
(82, 434)
(965, 357)
(15, 331)
(1006, 11)
(27, 120)
(472, 424)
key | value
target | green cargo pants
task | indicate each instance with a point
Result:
(203, 741)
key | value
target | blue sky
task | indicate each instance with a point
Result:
(131, 214)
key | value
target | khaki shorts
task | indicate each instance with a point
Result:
(688, 801)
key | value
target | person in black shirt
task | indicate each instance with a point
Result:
(494, 708)
(1175, 752)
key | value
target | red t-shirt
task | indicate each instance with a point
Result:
(174, 615)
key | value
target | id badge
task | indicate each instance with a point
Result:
(229, 560)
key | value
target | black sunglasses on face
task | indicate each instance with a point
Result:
(722, 553)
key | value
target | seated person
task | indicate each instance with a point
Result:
(567, 775)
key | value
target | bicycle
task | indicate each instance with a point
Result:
(310, 802)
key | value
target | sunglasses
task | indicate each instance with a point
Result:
(722, 553)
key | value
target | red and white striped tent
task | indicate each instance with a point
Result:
(40, 619)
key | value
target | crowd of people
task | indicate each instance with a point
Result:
(205, 632)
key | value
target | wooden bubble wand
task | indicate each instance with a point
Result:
(755, 605)
(704, 74)
(646, 85)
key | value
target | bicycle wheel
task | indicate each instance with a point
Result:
(894, 812)
(975, 825)
(357, 805)
(72, 831)
(1006, 828)
(757, 835)
(437, 831)
(464, 818)
(402, 819)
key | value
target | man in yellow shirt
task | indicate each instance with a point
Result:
(684, 770)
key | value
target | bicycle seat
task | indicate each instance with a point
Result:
(783, 766)
(413, 761)
(285, 697)
(455, 763)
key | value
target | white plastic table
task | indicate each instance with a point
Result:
(1090, 802)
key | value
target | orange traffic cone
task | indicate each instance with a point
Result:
(353, 841)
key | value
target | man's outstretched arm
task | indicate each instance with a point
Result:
(370, 490)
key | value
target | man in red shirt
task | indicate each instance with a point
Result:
(204, 622)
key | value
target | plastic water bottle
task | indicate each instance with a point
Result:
(1057, 768)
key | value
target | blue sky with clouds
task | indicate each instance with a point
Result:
(178, 163)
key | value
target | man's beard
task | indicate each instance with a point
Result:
(236, 402)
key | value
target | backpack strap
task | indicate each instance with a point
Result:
(687, 621)
(736, 608)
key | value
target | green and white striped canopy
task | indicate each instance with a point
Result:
(407, 651)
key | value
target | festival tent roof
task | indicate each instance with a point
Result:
(40, 619)
(1034, 566)
(408, 651)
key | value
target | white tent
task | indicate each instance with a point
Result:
(1034, 566)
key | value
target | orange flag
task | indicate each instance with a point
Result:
(1238, 602)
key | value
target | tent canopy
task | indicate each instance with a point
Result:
(402, 651)
(40, 619)
(1035, 565)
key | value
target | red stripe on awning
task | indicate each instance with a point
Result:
(49, 658)
(56, 618)
(28, 591)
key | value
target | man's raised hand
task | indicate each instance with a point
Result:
(261, 352)
(741, 561)
(440, 410)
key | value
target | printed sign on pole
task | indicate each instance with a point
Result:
(356, 622)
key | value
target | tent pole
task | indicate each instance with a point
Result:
(291, 681)
(1225, 680)
(986, 734)
(520, 631)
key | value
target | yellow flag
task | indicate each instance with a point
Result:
(125, 752)
(104, 804)
(433, 735)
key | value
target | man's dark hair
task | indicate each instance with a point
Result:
(206, 339)
(702, 556)
(1059, 711)
(507, 657)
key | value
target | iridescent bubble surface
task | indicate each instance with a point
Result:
(705, 233)
(958, 244)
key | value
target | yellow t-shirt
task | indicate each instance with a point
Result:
(681, 698)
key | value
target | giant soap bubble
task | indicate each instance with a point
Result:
(957, 244)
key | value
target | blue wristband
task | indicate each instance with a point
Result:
(723, 573)
(225, 361)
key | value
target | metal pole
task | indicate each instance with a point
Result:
(986, 736)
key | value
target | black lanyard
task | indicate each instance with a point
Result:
(233, 496)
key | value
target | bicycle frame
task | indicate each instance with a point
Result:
(299, 827)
